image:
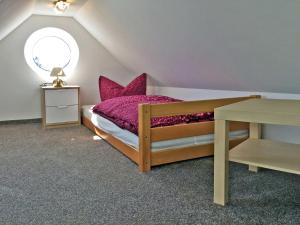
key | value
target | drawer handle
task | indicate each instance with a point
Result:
(62, 107)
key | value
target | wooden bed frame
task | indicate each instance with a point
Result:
(145, 158)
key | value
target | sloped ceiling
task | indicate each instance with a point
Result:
(12, 14)
(251, 45)
(233, 44)
(15, 12)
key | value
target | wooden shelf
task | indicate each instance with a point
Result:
(268, 154)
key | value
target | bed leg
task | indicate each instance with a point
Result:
(144, 138)
(144, 168)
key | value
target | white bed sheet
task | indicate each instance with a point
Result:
(133, 140)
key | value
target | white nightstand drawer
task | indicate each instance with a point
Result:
(62, 114)
(61, 97)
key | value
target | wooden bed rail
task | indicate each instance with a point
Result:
(190, 130)
(147, 135)
(190, 107)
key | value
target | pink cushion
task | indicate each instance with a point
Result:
(110, 89)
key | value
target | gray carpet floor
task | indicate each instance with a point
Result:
(64, 176)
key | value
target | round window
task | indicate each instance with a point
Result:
(51, 47)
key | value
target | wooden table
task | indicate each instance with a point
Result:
(255, 152)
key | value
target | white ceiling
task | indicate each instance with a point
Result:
(14, 12)
(215, 44)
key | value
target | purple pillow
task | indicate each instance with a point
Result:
(109, 89)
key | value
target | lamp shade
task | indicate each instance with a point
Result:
(57, 72)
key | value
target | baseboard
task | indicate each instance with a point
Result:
(8, 122)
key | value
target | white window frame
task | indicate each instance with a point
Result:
(48, 32)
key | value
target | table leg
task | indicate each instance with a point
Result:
(255, 133)
(221, 153)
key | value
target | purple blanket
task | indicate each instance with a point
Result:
(123, 111)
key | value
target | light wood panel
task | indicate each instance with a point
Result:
(144, 138)
(255, 151)
(255, 133)
(193, 152)
(174, 155)
(43, 108)
(268, 154)
(181, 131)
(62, 125)
(190, 130)
(269, 111)
(119, 145)
(64, 87)
(221, 162)
(190, 107)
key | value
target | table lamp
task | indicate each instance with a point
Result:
(57, 72)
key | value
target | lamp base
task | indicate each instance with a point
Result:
(58, 83)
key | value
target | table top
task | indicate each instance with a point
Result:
(57, 88)
(272, 111)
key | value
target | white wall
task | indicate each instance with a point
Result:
(249, 45)
(282, 133)
(19, 85)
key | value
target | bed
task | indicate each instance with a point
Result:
(161, 145)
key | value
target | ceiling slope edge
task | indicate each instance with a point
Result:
(88, 17)
(13, 14)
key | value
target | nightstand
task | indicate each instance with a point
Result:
(60, 106)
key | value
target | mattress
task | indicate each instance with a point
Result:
(132, 139)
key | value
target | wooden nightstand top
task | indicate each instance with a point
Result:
(57, 88)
